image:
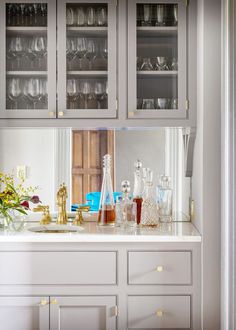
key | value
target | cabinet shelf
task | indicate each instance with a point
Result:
(26, 73)
(157, 73)
(26, 30)
(88, 73)
(154, 31)
(90, 31)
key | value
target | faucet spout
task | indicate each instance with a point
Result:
(62, 195)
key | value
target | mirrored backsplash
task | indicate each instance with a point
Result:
(53, 156)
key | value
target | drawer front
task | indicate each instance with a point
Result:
(159, 312)
(164, 268)
(62, 268)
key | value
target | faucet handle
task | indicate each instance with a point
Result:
(79, 216)
(46, 219)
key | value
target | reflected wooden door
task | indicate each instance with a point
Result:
(88, 148)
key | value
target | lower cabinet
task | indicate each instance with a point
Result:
(24, 313)
(58, 313)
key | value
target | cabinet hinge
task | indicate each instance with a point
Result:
(116, 104)
(187, 105)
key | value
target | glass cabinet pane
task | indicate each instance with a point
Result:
(30, 45)
(160, 70)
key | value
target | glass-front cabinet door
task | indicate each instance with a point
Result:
(157, 64)
(28, 59)
(86, 59)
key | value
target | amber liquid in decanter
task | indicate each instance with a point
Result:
(107, 216)
(138, 201)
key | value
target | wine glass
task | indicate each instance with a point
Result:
(81, 17)
(70, 16)
(33, 91)
(14, 91)
(91, 16)
(161, 63)
(44, 13)
(17, 50)
(147, 15)
(90, 52)
(85, 88)
(99, 90)
(80, 50)
(160, 13)
(102, 16)
(70, 51)
(72, 93)
(39, 49)
(43, 92)
(175, 14)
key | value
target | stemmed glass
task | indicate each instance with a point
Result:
(147, 15)
(33, 90)
(43, 87)
(80, 50)
(70, 16)
(81, 18)
(39, 49)
(99, 90)
(44, 13)
(16, 50)
(14, 91)
(91, 16)
(72, 93)
(160, 12)
(90, 52)
(101, 16)
(70, 51)
(86, 89)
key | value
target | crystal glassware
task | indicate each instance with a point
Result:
(137, 194)
(101, 16)
(164, 199)
(160, 15)
(39, 50)
(149, 214)
(44, 13)
(174, 103)
(17, 50)
(72, 93)
(80, 17)
(99, 90)
(162, 103)
(146, 65)
(14, 92)
(175, 15)
(148, 104)
(91, 16)
(70, 51)
(174, 64)
(34, 91)
(147, 15)
(90, 52)
(161, 63)
(43, 92)
(70, 16)
(107, 215)
(80, 52)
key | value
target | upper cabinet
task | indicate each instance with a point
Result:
(127, 62)
(87, 59)
(28, 59)
(157, 62)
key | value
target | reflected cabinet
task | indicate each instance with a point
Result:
(59, 59)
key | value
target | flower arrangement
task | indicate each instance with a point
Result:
(15, 197)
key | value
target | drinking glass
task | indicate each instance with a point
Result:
(70, 51)
(90, 52)
(80, 51)
(147, 15)
(22, 14)
(174, 103)
(102, 16)
(16, 50)
(70, 16)
(14, 92)
(162, 103)
(10, 11)
(43, 92)
(33, 89)
(91, 16)
(44, 13)
(99, 90)
(148, 104)
(39, 50)
(130, 214)
(36, 14)
(86, 90)
(104, 49)
(175, 14)
(146, 65)
(161, 63)
(30, 14)
(174, 64)
(72, 93)
(160, 15)
(81, 17)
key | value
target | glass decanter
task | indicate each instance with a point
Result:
(164, 198)
(149, 214)
(137, 194)
(129, 208)
(107, 215)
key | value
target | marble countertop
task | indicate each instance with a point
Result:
(172, 232)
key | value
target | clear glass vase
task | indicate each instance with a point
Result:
(15, 221)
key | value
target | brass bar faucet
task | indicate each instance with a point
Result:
(62, 195)
(46, 219)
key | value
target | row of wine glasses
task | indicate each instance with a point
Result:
(86, 16)
(86, 94)
(26, 14)
(26, 93)
(157, 15)
(27, 53)
(86, 54)
(159, 103)
(159, 63)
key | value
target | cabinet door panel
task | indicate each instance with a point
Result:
(28, 59)
(24, 313)
(84, 312)
(157, 59)
(87, 59)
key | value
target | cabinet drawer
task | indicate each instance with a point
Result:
(58, 268)
(159, 312)
(164, 267)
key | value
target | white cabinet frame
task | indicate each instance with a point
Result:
(51, 64)
(63, 112)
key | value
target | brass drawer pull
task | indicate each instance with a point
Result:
(159, 313)
(43, 302)
(159, 269)
(54, 302)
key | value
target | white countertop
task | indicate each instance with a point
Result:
(173, 232)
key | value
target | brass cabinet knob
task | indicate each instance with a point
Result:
(131, 113)
(54, 302)
(159, 269)
(159, 313)
(61, 114)
(51, 113)
(43, 302)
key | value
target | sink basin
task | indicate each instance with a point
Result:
(54, 228)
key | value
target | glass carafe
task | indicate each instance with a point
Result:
(107, 216)
(149, 214)
(164, 199)
(137, 194)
